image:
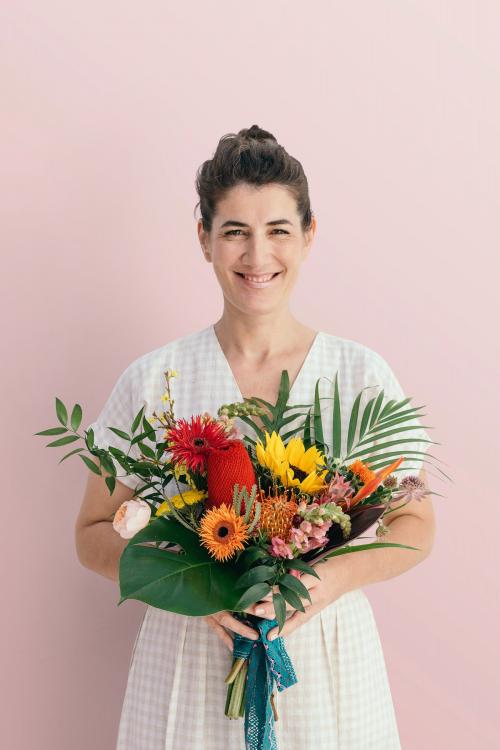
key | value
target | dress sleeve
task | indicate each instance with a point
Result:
(119, 411)
(381, 374)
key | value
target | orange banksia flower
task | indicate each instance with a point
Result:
(227, 466)
(223, 532)
(276, 515)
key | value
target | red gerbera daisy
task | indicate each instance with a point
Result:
(192, 441)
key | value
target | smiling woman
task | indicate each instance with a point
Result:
(256, 229)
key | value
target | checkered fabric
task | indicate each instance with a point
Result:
(175, 693)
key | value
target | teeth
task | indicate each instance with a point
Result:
(259, 278)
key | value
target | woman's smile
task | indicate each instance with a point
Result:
(257, 281)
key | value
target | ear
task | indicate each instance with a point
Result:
(309, 235)
(203, 239)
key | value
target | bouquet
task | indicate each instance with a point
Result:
(253, 515)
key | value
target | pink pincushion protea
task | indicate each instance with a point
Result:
(191, 442)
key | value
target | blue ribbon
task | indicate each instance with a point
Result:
(268, 663)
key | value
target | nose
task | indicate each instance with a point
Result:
(255, 252)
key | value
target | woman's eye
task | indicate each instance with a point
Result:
(232, 231)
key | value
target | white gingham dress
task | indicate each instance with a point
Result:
(175, 693)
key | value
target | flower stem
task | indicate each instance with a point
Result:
(237, 664)
(235, 702)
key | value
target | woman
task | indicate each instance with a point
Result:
(256, 228)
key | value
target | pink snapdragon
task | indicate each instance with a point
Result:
(279, 548)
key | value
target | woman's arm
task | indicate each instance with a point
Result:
(98, 545)
(412, 524)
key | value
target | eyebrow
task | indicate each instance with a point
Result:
(232, 222)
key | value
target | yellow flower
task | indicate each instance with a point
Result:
(293, 464)
(223, 532)
(181, 501)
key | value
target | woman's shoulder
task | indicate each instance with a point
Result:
(352, 352)
(170, 355)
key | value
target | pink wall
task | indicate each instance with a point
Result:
(107, 109)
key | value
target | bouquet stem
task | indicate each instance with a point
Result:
(235, 699)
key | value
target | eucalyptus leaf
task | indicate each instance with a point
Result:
(63, 441)
(292, 598)
(256, 575)
(137, 420)
(61, 412)
(298, 564)
(52, 431)
(252, 595)
(91, 465)
(111, 482)
(279, 609)
(76, 417)
(291, 582)
(120, 433)
(71, 453)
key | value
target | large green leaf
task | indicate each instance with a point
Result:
(189, 583)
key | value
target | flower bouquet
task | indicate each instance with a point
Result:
(254, 514)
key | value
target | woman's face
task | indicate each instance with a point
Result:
(256, 246)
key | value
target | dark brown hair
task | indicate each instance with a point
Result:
(254, 156)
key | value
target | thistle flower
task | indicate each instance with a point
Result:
(411, 488)
(391, 481)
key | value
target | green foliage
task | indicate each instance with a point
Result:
(277, 417)
(190, 583)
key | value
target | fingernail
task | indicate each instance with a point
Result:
(260, 611)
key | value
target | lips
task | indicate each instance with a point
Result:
(258, 277)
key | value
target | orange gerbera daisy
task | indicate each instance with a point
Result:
(223, 531)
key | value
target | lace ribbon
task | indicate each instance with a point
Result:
(268, 663)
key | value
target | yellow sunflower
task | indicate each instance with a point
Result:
(293, 464)
(223, 532)
(180, 501)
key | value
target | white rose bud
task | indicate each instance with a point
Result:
(131, 517)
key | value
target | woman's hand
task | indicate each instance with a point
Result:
(323, 591)
(219, 621)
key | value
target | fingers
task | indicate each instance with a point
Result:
(266, 609)
(226, 619)
(293, 622)
(221, 632)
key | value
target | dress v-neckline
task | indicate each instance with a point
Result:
(224, 360)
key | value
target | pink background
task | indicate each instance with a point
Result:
(107, 109)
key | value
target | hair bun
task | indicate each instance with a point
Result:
(256, 134)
